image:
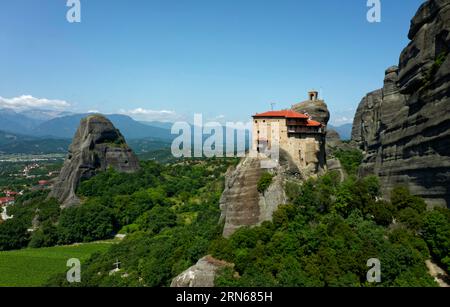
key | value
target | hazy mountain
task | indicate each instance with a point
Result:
(66, 126)
(12, 143)
(48, 123)
(9, 137)
(345, 131)
(12, 121)
(44, 115)
(32, 124)
(164, 125)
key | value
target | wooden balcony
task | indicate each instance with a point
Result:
(304, 129)
(296, 122)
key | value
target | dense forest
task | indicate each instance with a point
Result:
(170, 215)
(329, 231)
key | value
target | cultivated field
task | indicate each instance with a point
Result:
(33, 267)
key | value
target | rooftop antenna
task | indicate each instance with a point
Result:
(272, 105)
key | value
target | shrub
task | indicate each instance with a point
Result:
(264, 182)
(350, 159)
(382, 212)
(401, 198)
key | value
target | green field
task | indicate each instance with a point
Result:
(33, 267)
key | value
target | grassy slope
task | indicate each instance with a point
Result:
(33, 267)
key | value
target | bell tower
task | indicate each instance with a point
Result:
(313, 95)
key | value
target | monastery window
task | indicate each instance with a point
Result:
(300, 155)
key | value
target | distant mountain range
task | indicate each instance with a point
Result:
(43, 131)
(345, 131)
(164, 125)
(11, 143)
(62, 125)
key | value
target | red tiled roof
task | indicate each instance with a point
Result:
(4, 200)
(313, 123)
(283, 113)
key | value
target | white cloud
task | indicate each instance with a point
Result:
(341, 120)
(152, 115)
(28, 102)
(93, 111)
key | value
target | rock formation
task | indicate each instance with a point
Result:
(316, 108)
(241, 203)
(96, 146)
(404, 128)
(333, 142)
(201, 274)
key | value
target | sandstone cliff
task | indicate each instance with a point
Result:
(96, 146)
(241, 203)
(202, 274)
(404, 128)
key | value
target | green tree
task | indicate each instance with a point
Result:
(401, 198)
(264, 182)
(85, 223)
(436, 232)
(156, 219)
(350, 159)
(45, 236)
(13, 234)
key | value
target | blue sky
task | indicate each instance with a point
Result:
(168, 59)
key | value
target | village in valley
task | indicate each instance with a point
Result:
(23, 173)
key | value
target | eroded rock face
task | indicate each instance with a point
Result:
(317, 109)
(404, 128)
(333, 141)
(96, 146)
(241, 204)
(202, 274)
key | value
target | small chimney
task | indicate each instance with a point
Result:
(313, 95)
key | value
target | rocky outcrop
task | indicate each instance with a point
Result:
(96, 146)
(201, 274)
(272, 198)
(241, 203)
(404, 128)
(317, 109)
(334, 165)
(333, 142)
